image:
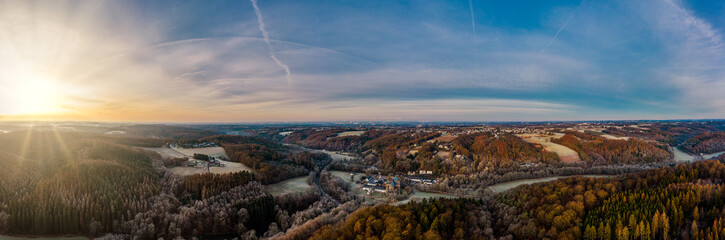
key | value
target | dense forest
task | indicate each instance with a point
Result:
(710, 142)
(329, 139)
(497, 151)
(682, 202)
(438, 219)
(164, 131)
(101, 185)
(272, 161)
(393, 140)
(55, 183)
(469, 153)
(672, 133)
(600, 151)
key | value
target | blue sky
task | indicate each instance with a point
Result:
(387, 60)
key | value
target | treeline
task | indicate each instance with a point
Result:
(234, 139)
(242, 211)
(202, 186)
(272, 162)
(710, 142)
(272, 166)
(388, 152)
(600, 151)
(75, 184)
(437, 219)
(329, 140)
(485, 149)
(468, 153)
(134, 141)
(682, 202)
(165, 131)
(671, 133)
(70, 183)
(593, 208)
(392, 140)
(337, 188)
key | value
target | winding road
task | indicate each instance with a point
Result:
(324, 166)
(319, 185)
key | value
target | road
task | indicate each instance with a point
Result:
(320, 167)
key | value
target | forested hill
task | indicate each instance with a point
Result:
(63, 183)
(710, 142)
(601, 151)
(60, 183)
(163, 131)
(329, 139)
(273, 161)
(683, 202)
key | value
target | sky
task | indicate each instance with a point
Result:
(352, 60)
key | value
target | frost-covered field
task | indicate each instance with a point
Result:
(298, 184)
(566, 154)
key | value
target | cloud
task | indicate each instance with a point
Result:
(695, 56)
(473, 21)
(560, 29)
(263, 29)
(368, 63)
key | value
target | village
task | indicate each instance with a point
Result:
(391, 185)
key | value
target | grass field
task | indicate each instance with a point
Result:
(211, 151)
(229, 167)
(611, 137)
(166, 152)
(298, 184)
(567, 155)
(350, 133)
(443, 139)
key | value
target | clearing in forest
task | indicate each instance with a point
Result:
(567, 155)
(229, 167)
(298, 184)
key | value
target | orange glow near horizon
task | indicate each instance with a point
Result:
(128, 61)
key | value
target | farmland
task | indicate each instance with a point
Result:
(567, 155)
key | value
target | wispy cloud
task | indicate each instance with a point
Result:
(366, 62)
(473, 21)
(560, 29)
(265, 35)
(697, 46)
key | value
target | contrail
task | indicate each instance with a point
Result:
(561, 28)
(473, 20)
(265, 35)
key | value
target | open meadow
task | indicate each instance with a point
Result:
(567, 155)
(229, 167)
(298, 184)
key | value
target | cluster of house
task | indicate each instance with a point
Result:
(428, 172)
(387, 185)
(193, 145)
(421, 177)
(213, 162)
(422, 180)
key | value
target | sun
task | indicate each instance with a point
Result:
(30, 94)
